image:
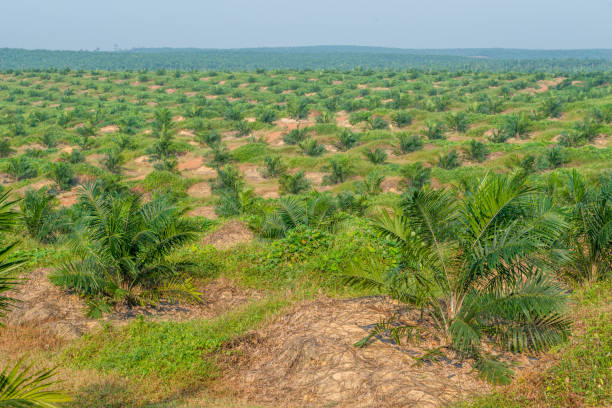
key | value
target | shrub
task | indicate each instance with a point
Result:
(311, 147)
(317, 211)
(340, 169)
(474, 266)
(458, 122)
(274, 167)
(347, 140)
(22, 168)
(376, 156)
(415, 175)
(38, 213)
(295, 136)
(434, 130)
(62, 174)
(409, 143)
(377, 123)
(477, 151)
(449, 160)
(294, 183)
(401, 118)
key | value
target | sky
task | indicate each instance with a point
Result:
(124, 24)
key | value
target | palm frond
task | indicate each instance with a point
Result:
(493, 370)
(19, 388)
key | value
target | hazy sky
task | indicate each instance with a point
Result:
(87, 24)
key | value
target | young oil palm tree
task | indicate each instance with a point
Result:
(123, 250)
(315, 211)
(40, 217)
(590, 235)
(478, 267)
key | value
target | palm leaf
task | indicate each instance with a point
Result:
(20, 389)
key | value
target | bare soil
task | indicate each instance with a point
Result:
(307, 358)
(200, 190)
(45, 311)
(229, 235)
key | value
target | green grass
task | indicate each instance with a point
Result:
(166, 358)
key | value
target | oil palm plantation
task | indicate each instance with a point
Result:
(478, 267)
(123, 250)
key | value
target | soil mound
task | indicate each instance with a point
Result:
(307, 358)
(229, 235)
(57, 313)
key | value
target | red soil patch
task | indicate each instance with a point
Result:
(189, 162)
(68, 198)
(274, 138)
(201, 172)
(37, 185)
(139, 168)
(109, 129)
(178, 118)
(200, 190)
(31, 146)
(391, 185)
(205, 211)
(251, 173)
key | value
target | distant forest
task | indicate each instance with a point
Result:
(321, 57)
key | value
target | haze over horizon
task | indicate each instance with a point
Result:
(114, 24)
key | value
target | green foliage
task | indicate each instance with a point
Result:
(434, 130)
(516, 125)
(167, 357)
(274, 167)
(371, 184)
(477, 151)
(22, 168)
(295, 136)
(377, 123)
(376, 156)
(474, 266)
(458, 121)
(42, 221)
(316, 211)
(19, 387)
(5, 147)
(409, 143)
(340, 169)
(8, 263)
(311, 147)
(551, 108)
(590, 234)
(62, 174)
(347, 140)
(401, 118)
(416, 175)
(122, 252)
(449, 161)
(294, 183)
